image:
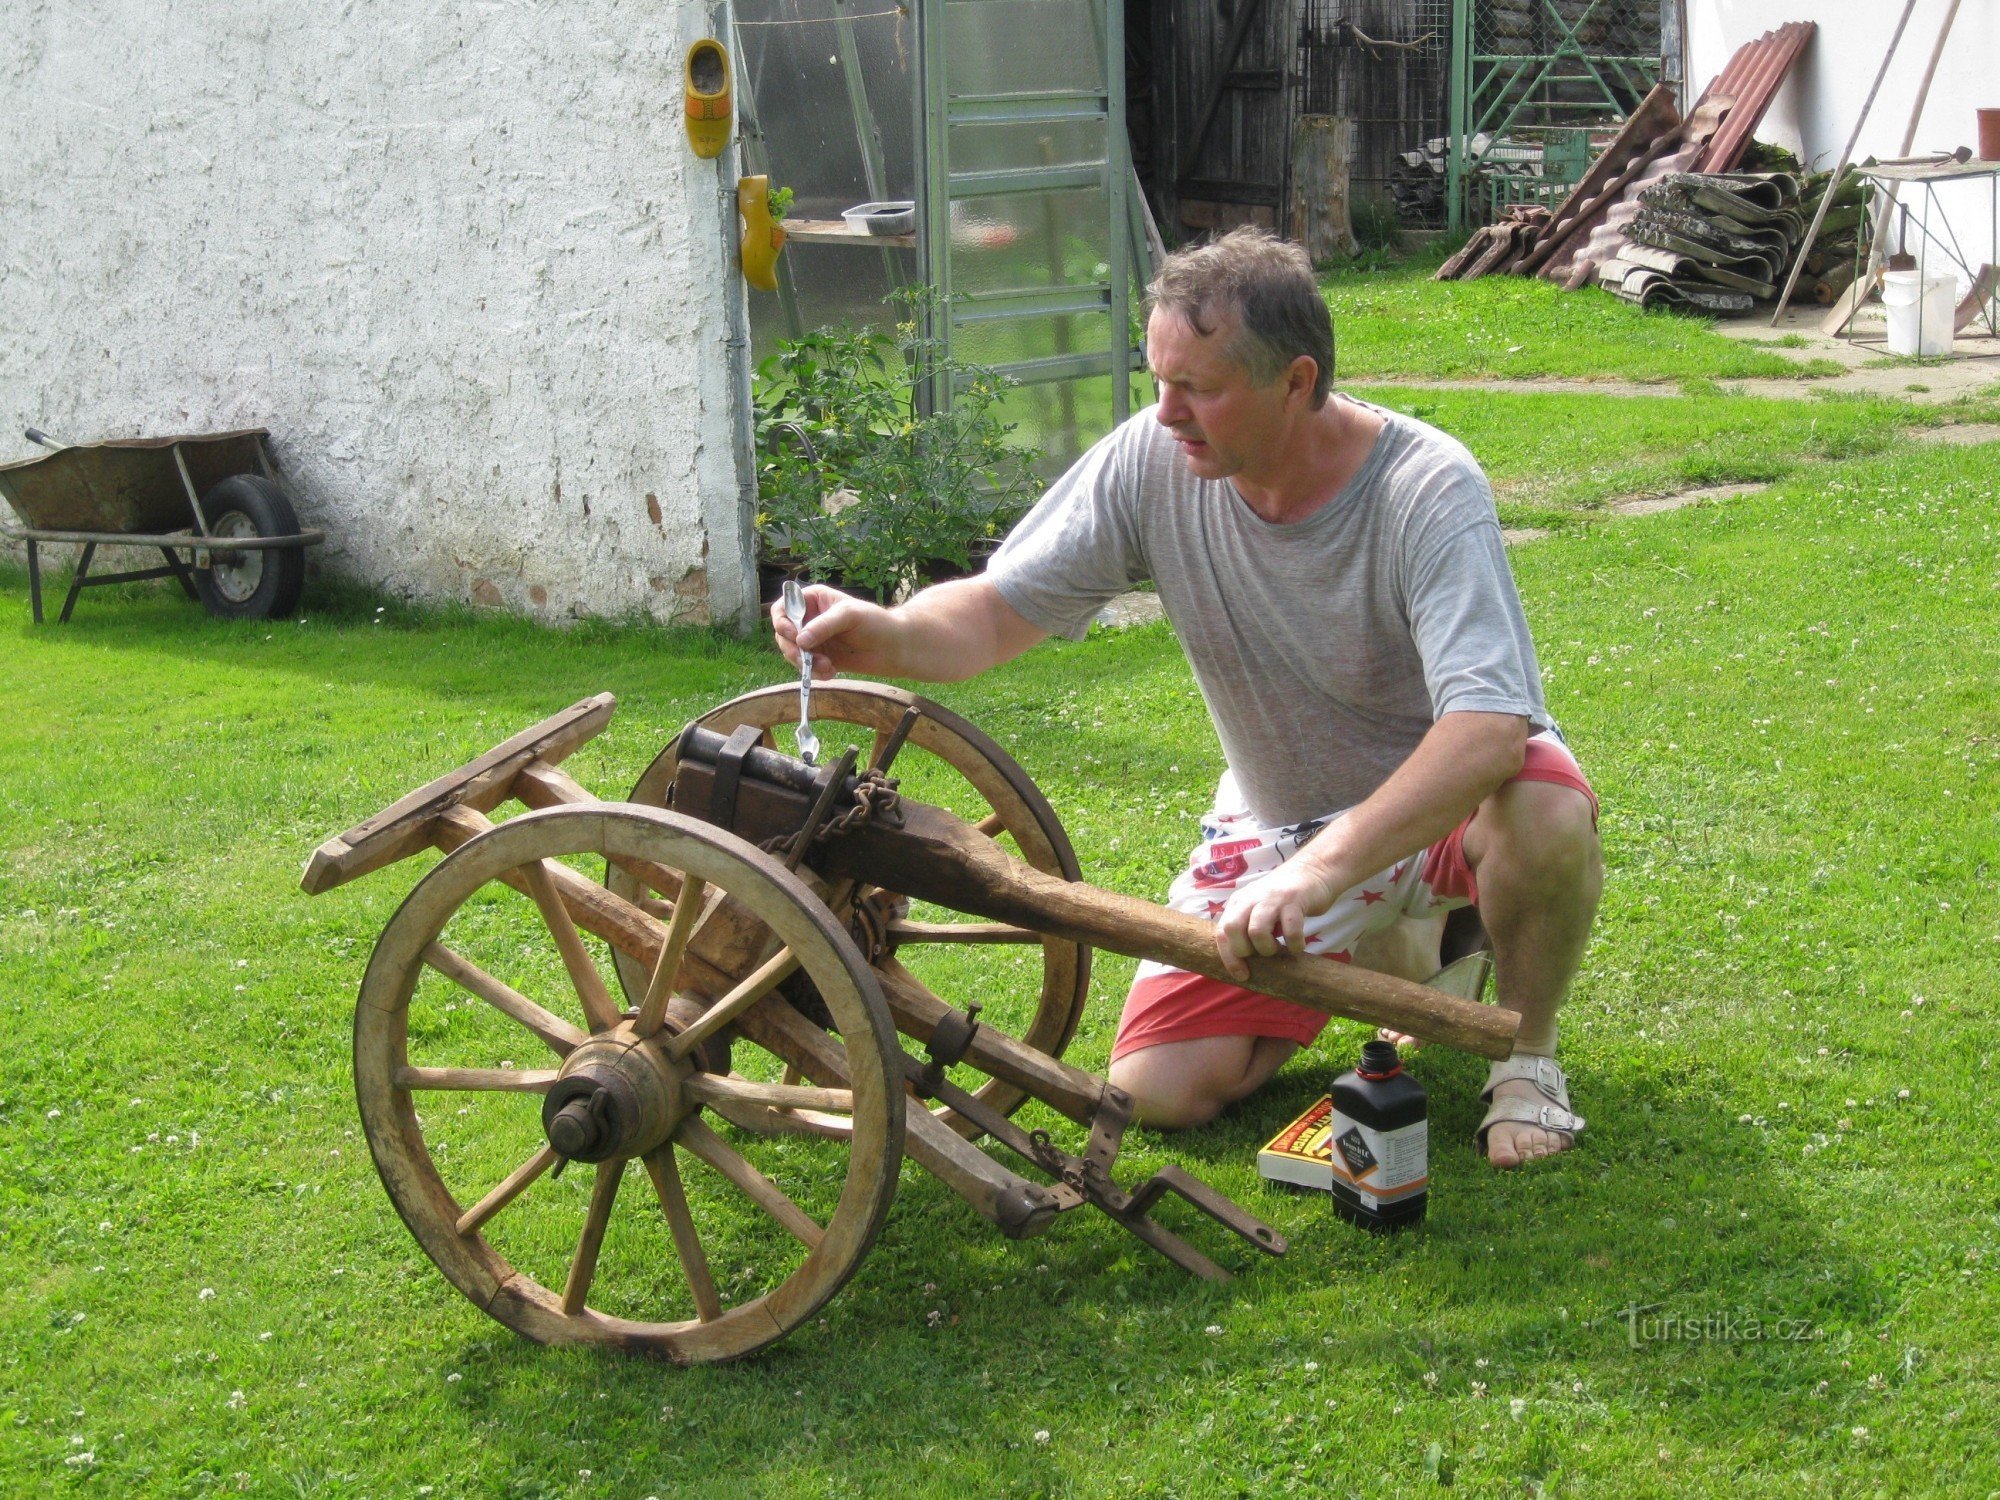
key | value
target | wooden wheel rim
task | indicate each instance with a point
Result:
(800, 920)
(992, 773)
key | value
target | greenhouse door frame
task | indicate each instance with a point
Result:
(940, 111)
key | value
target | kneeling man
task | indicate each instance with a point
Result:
(1336, 575)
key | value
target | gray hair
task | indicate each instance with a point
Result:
(1265, 285)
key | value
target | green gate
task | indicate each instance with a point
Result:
(1532, 80)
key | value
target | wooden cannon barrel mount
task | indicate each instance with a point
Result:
(761, 932)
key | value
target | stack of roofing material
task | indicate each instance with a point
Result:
(1588, 228)
(1713, 241)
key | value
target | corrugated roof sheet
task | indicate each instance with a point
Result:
(1751, 80)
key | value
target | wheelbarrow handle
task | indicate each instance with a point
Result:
(36, 435)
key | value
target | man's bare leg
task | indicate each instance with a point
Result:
(1535, 856)
(1177, 1084)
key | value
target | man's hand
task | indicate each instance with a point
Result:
(949, 632)
(1275, 907)
(843, 633)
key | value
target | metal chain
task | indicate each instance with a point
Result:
(875, 799)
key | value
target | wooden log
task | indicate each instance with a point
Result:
(1320, 216)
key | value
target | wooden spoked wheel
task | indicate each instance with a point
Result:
(488, 1051)
(1028, 984)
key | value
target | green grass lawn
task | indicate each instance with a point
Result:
(1399, 322)
(1783, 1038)
(1558, 459)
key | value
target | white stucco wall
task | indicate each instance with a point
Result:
(1816, 110)
(457, 256)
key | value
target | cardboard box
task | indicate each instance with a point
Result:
(1302, 1153)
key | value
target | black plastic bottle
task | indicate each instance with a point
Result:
(1381, 1142)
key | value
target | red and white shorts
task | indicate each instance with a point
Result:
(1172, 1005)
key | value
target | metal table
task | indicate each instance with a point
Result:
(1929, 176)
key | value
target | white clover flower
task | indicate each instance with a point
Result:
(237, 1401)
(206, 1294)
(1517, 1408)
(1213, 1329)
(1041, 1434)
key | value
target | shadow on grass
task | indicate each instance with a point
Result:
(1559, 1285)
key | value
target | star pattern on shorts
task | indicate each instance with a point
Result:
(1397, 873)
(1369, 898)
(1215, 909)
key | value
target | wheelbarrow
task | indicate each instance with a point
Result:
(210, 502)
(778, 930)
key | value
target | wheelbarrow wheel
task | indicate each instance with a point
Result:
(755, 1201)
(259, 585)
(1034, 990)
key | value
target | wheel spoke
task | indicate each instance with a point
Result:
(551, 1028)
(661, 988)
(496, 1080)
(765, 1193)
(710, 1087)
(515, 1184)
(666, 1175)
(597, 1006)
(906, 931)
(768, 976)
(992, 825)
(583, 1270)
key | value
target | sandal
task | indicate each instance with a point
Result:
(1549, 1080)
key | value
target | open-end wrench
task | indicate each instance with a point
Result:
(795, 611)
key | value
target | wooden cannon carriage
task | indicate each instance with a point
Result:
(776, 930)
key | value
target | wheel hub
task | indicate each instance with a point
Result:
(618, 1096)
(236, 573)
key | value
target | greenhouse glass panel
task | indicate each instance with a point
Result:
(1022, 46)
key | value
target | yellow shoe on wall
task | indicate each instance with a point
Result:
(762, 238)
(709, 107)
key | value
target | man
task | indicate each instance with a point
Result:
(1336, 575)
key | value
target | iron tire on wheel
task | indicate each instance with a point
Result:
(259, 585)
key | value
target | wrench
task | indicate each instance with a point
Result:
(795, 611)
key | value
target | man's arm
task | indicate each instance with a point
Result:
(1463, 759)
(945, 634)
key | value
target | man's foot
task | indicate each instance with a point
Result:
(1528, 1115)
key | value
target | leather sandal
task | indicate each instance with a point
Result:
(1549, 1080)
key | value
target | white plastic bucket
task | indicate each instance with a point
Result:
(1921, 311)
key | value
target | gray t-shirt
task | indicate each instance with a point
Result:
(1326, 647)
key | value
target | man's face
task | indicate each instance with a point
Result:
(1222, 421)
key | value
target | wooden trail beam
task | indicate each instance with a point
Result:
(936, 857)
(406, 826)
